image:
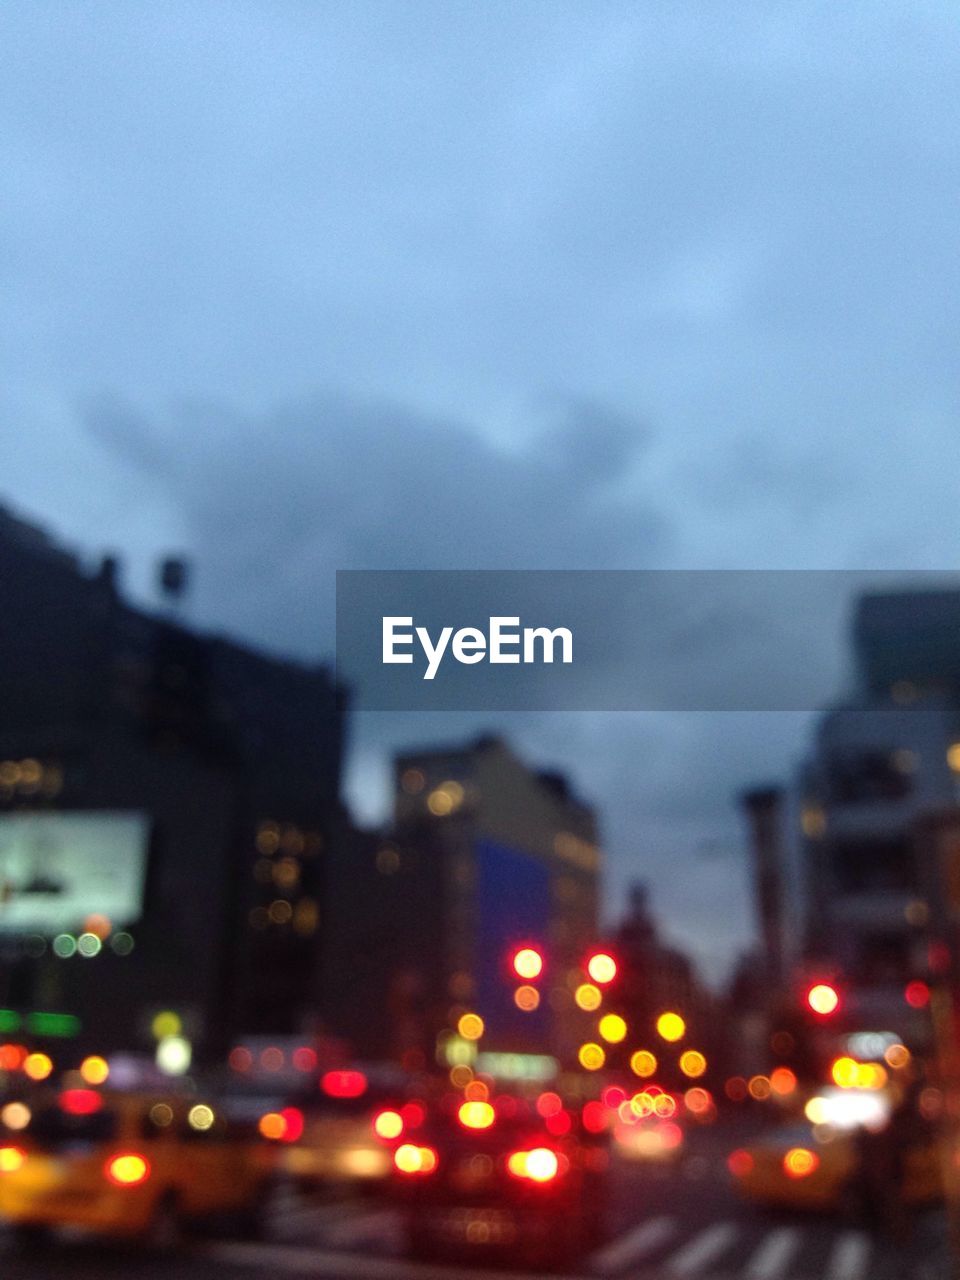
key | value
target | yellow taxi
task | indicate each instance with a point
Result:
(797, 1167)
(124, 1164)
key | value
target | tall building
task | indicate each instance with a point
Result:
(168, 801)
(881, 764)
(484, 854)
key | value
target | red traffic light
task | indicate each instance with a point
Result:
(823, 999)
(602, 968)
(527, 963)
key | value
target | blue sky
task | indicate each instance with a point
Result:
(295, 287)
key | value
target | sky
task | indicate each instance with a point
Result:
(293, 287)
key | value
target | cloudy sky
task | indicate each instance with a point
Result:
(301, 286)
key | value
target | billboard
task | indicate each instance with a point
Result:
(57, 869)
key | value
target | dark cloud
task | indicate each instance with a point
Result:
(735, 226)
(274, 504)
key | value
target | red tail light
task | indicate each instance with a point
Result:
(344, 1084)
(558, 1124)
(80, 1102)
(127, 1170)
(388, 1125)
(412, 1159)
(476, 1115)
(293, 1119)
(539, 1165)
(11, 1158)
(413, 1115)
(740, 1163)
(594, 1117)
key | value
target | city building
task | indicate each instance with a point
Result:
(484, 855)
(880, 765)
(659, 978)
(168, 801)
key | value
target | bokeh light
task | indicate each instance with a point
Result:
(671, 1027)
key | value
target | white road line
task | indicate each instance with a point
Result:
(634, 1245)
(774, 1254)
(849, 1257)
(702, 1249)
(376, 1225)
(307, 1261)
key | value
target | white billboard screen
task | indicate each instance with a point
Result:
(56, 869)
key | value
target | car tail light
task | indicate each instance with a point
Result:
(799, 1162)
(594, 1117)
(539, 1165)
(80, 1102)
(476, 1115)
(11, 1158)
(127, 1170)
(343, 1084)
(388, 1125)
(293, 1121)
(409, 1158)
(282, 1126)
(413, 1115)
(558, 1124)
(272, 1126)
(740, 1163)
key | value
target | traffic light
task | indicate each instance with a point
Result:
(527, 963)
(601, 967)
(823, 999)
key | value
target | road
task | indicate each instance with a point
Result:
(665, 1223)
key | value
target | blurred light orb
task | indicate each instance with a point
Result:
(822, 998)
(37, 1066)
(643, 1063)
(591, 1056)
(693, 1063)
(527, 998)
(799, 1162)
(602, 968)
(612, 1028)
(783, 1081)
(200, 1117)
(528, 963)
(470, 1026)
(166, 1023)
(588, 997)
(95, 1069)
(671, 1027)
(15, 1115)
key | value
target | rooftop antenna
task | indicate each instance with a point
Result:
(172, 578)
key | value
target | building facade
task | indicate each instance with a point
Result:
(880, 764)
(484, 855)
(189, 783)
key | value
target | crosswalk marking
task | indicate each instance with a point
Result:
(849, 1257)
(636, 1244)
(703, 1249)
(771, 1259)
(362, 1238)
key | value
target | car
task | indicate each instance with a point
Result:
(495, 1180)
(802, 1166)
(127, 1164)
